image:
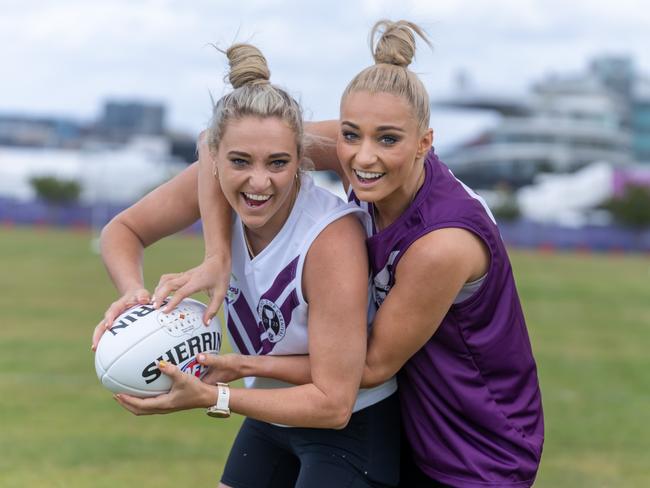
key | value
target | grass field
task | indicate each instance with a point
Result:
(588, 316)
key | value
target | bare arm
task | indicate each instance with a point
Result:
(215, 210)
(321, 147)
(335, 282)
(166, 210)
(224, 368)
(214, 273)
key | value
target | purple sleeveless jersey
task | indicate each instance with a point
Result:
(471, 404)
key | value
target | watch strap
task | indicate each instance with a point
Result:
(222, 407)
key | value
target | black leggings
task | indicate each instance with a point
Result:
(365, 454)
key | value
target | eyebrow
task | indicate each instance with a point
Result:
(271, 156)
(345, 122)
(381, 128)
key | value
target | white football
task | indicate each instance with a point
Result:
(126, 355)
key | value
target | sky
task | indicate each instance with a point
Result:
(66, 57)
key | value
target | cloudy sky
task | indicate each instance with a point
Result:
(65, 57)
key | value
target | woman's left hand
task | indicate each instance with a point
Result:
(187, 392)
(221, 368)
(211, 276)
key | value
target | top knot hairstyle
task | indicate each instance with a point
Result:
(393, 47)
(253, 95)
(248, 66)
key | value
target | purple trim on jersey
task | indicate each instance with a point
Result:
(234, 333)
(248, 320)
(252, 322)
(286, 276)
(471, 405)
(290, 304)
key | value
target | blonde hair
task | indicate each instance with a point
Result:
(393, 52)
(252, 95)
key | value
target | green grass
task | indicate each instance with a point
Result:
(58, 426)
(588, 316)
(589, 321)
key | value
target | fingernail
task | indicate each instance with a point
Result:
(201, 357)
(92, 347)
(154, 303)
(162, 363)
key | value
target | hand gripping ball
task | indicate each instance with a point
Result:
(126, 355)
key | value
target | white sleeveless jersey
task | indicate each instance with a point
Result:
(265, 310)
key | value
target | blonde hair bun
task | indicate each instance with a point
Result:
(393, 52)
(248, 66)
(253, 95)
(396, 42)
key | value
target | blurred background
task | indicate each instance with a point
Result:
(543, 107)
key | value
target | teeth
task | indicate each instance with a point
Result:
(368, 175)
(257, 198)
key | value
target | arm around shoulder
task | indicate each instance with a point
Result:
(321, 145)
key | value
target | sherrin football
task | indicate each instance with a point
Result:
(126, 355)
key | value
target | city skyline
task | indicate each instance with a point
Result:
(66, 59)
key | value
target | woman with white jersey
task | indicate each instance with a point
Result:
(298, 286)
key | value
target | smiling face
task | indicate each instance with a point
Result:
(381, 148)
(257, 162)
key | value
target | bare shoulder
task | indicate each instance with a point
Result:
(339, 240)
(337, 258)
(452, 250)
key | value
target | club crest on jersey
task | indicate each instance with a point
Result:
(382, 279)
(272, 320)
(380, 288)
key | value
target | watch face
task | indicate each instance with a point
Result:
(222, 414)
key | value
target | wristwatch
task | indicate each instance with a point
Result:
(220, 409)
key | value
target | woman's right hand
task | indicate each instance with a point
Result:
(132, 297)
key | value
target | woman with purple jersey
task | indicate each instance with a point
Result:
(449, 323)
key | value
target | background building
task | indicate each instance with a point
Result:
(122, 120)
(565, 123)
